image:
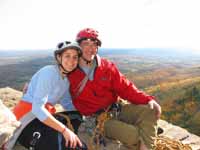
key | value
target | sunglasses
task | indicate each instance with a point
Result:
(63, 44)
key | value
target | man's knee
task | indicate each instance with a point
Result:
(149, 115)
(118, 130)
(133, 114)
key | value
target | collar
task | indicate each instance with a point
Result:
(98, 59)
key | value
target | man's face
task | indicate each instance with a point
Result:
(89, 49)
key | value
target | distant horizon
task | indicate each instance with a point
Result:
(164, 52)
(184, 50)
(105, 48)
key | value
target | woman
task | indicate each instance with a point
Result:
(48, 87)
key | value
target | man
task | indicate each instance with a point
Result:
(97, 84)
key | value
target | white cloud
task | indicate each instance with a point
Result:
(38, 24)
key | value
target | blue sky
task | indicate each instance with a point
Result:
(41, 24)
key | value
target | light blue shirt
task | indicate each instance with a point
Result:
(90, 71)
(47, 85)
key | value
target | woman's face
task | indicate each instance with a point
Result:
(69, 59)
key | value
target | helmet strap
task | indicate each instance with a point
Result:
(64, 70)
(86, 61)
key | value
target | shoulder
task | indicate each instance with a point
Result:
(50, 69)
(105, 67)
(47, 72)
(105, 63)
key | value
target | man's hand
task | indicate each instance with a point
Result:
(154, 105)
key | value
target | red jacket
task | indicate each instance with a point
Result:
(104, 90)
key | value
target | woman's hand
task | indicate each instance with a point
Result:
(71, 138)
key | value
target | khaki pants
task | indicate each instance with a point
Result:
(134, 123)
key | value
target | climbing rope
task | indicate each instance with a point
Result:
(69, 125)
(98, 134)
(166, 143)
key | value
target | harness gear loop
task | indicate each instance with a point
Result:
(98, 134)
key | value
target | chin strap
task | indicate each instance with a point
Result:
(87, 61)
(64, 70)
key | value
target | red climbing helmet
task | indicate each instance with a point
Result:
(88, 33)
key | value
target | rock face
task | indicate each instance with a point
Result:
(177, 133)
(10, 97)
(8, 123)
